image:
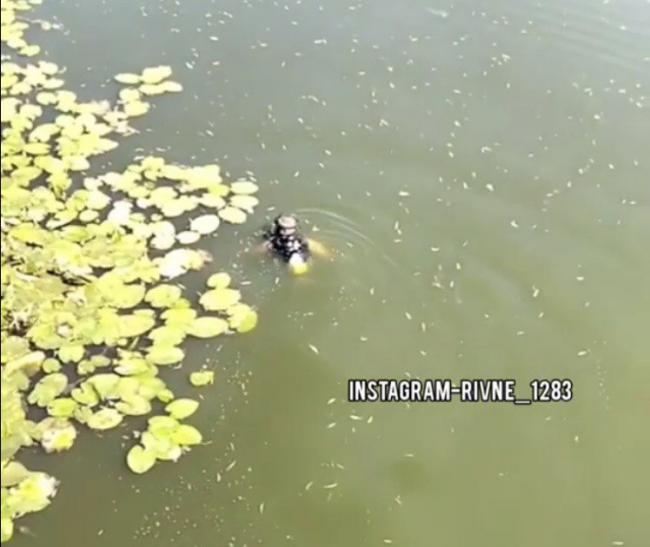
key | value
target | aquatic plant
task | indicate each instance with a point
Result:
(90, 311)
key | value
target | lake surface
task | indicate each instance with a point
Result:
(482, 171)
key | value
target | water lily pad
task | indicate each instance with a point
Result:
(245, 202)
(202, 378)
(134, 405)
(71, 353)
(13, 472)
(170, 86)
(205, 224)
(140, 460)
(219, 280)
(242, 318)
(156, 74)
(135, 325)
(163, 296)
(244, 187)
(187, 435)
(57, 434)
(219, 299)
(136, 108)
(105, 385)
(165, 355)
(181, 318)
(182, 408)
(164, 449)
(208, 327)
(127, 78)
(48, 388)
(162, 427)
(167, 335)
(188, 237)
(232, 215)
(106, 418)
(62, 407)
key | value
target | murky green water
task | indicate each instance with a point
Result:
(482, 170)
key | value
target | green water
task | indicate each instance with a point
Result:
(481, 169)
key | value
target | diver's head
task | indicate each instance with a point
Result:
(286, 224)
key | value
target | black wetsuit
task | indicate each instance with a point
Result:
(285, 246)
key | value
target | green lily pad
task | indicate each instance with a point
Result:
(165, 355)
(202, 378)
(134, 405)
(48, 388)
(56, 434)
(187, 435)
(163, 296)
(13, 472)
(182, 408)
(244, 187)
(244, 202)
(106, 418)
(219, 299)
(232, 215)
(156, 74)
(208, 327)
(167, 336)
(126, 78)
(205, 224)
(140, 460)
(164, 449)
(219, 280)
(135, 325)
(242, 318)
(62, 407)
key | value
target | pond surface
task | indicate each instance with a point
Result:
(482, 171)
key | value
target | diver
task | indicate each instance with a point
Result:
(284, 240)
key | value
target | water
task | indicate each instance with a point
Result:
(481, 170)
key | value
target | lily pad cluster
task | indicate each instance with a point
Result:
(90, 309)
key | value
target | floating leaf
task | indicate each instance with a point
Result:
(188, 237)
(244, 187)
(134, 405)
(219, 280)
(106, 418)
(135, 324)
(71, 353)
(140, 460)
(167, 335)
(232, 215)
(57, 434)
(136, 108)
(208, 327)
(205, 224)
(165, 355)
(247, 203)
(182, 408)
(219, 299)
(156, 74)
(127, 78)
(163, 448)
(171, 87)
(242, 318)
(12, 473)
(202, 378)
(186, 435)
(48, 388)
(63, 407)
(163, 296)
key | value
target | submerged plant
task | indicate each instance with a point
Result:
(90, 310)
